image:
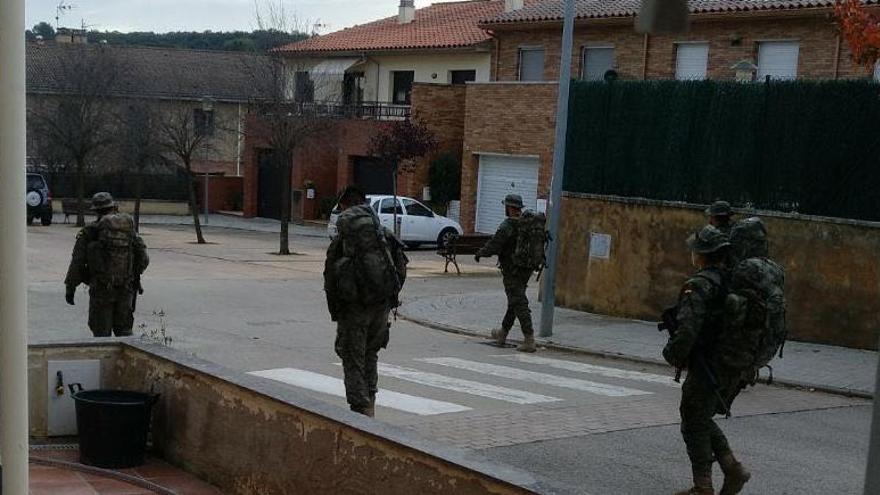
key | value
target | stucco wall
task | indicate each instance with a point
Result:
(832, 266)
(378, 70)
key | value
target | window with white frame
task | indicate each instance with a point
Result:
(597, 61)
(778, 60)
(531, 64)
(691, 61)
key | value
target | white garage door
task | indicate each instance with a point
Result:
(498, 177)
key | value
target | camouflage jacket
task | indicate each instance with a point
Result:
(502, 244)
(700, 308)
(79, 271)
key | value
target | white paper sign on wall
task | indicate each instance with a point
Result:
(600, 246)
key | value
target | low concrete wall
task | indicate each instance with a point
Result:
(246, 435)
(832, 266)
(148, 206)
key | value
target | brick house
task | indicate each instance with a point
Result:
(414, 64)
(509, 122)
(213, 86)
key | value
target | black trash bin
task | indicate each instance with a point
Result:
(113, 426)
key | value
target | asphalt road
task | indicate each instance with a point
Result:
(584, 424)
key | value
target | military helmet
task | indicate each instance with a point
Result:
(514, 200)
(719, 209)
(102, 201)
(708, 240)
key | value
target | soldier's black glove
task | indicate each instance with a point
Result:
(68, 296)
(477, 258)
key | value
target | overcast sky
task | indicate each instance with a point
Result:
(201, 15)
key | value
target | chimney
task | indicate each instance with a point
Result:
(407, 11)
(511, 5)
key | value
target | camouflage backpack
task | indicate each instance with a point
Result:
(531, 241)
(372, 268)
(754, 330)
(111, 253)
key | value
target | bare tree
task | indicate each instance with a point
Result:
(76, 122)
(181, 139)
(284, 100)
(140, 144)
(399, 146)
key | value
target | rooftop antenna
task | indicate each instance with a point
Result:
(317, 26)
(60, 9)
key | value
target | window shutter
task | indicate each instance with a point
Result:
(691, 61)
(531, 64)
(778, 59)
(597, 61)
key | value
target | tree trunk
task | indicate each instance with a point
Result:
(286, 192)
(193, 206)
(138, 188)
(80, 193)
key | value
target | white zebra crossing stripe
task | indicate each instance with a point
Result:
(535, 377)
(463, 386)
(385, 398)
(593, 369)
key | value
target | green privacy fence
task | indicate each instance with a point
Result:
(806, 147)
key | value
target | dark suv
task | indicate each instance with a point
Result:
(39, 200)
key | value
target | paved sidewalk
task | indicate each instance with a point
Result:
(226, 222)
(828, 368)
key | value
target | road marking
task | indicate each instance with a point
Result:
(463, 386)
(535, 377)
(593, 369)
(385, 398)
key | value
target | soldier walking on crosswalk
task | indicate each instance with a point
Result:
(110, 258)
(363, 275)
(520, 244)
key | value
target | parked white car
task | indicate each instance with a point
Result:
(418, 224)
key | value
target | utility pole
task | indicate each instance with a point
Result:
(13, 259)
(872, 478)
(548, 303)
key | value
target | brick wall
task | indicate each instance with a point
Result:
(730, 40)
(506, 118)
(442, 108)
(224, 193)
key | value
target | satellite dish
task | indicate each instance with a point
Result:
(610, 76)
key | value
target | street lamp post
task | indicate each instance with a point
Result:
(548, 302)
(13, 260)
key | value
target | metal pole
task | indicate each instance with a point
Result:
(13, 260)
(872, 478)
(206, 196)
(548, 303)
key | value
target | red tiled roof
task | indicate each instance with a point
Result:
(552, 10)
(442, 25)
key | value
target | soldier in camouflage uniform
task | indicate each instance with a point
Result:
(720, 215)
(111, 304)
(699, 320)
(515, 278)
(362, 326)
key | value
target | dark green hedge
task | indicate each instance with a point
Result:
(806, 147)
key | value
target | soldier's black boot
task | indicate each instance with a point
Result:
(528, 344)
(500, 336)
(702, 482)
(735, 475)
(370, 410)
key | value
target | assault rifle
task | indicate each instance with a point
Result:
(669, 323)
(138, 290)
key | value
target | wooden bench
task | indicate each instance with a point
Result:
(462, 244)
(68, 207)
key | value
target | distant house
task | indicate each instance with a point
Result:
(413, 64)
(214, 86)
(780, 40)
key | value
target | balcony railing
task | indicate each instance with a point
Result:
(364, 110)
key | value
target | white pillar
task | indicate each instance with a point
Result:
(13, 259)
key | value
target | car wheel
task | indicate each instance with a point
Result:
(46, 219)
(446, 237)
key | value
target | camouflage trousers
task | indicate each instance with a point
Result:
(699, 404)
(111, 312)
(516, 281)
(360, 334)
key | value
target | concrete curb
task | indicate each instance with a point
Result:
(549, 344)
